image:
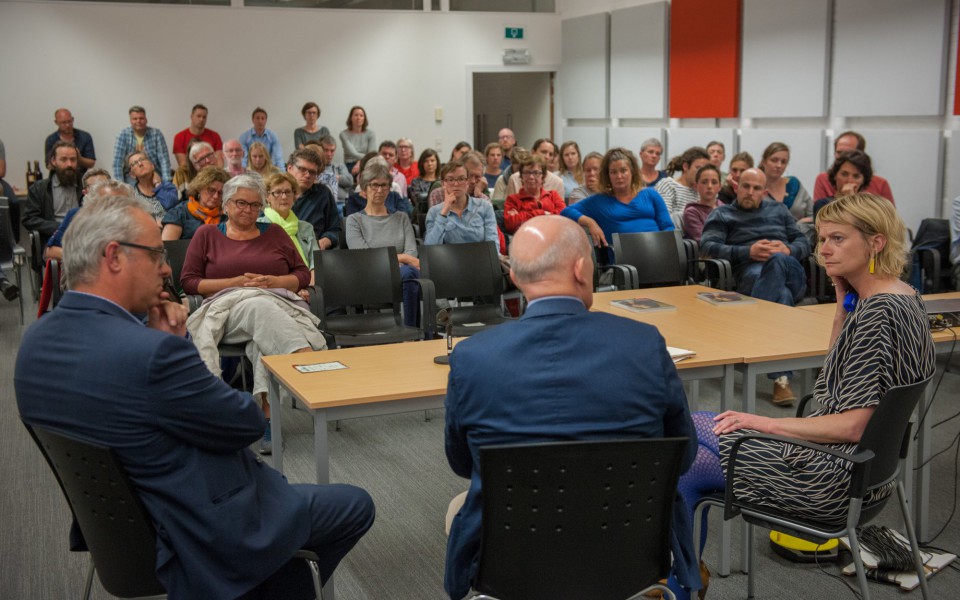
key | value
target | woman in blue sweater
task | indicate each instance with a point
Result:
(621, 206)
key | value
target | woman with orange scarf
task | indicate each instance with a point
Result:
(202, 208)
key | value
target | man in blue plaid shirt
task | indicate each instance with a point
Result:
(142, 138)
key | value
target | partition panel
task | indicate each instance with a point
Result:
(679, 139)
(590, 139)
(584, 70)
(638, 62)
(632, 137)
(806, 150)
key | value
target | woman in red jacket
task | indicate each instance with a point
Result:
(532, 200)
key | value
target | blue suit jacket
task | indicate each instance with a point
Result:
(225, 521)
(559, 373)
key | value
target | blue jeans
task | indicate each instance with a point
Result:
(780, 279)
(411, 295)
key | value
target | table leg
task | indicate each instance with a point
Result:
(922, 495)
(276, 420)
(320, 449)
(693, 398)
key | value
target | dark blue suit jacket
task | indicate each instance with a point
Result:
(225, 521)
(559, 373)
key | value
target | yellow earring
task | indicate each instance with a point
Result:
(873, 264)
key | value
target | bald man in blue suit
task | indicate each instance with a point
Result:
(559, 373)
(227, 524)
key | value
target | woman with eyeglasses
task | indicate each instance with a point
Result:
(357, 201)
(532, 200)
(460, 218)
(203, 206)
(377, 227)
(282, 190)
(249, 274)
(258, 160)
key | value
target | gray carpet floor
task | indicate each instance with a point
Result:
(400, 460)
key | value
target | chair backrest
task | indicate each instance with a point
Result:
(6, 234)
(176, 254)
(115, 525)
(658, 256)
(369, 276)
(577, 519)
(463, 270)
(889, 424)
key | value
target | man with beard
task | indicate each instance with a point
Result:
(233, 158)
(48, 200)
(66, 132)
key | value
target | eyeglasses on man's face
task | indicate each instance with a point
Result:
(158, 253)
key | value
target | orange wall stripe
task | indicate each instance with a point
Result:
(705, 58)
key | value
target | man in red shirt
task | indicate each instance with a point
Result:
(197, 129)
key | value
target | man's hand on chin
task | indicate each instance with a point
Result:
(168, 316)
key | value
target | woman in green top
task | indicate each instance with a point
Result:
(282, 190)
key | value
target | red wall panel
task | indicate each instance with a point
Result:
(705, 58)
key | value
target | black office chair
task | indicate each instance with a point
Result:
(875, 463)
(116, 527)
(660, 259)
(577, 519)
(365, 284)
(12, 255)
(176, 254)
(462, 271)
(37, 245)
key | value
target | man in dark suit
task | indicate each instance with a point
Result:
(227, 524)
(559, 373)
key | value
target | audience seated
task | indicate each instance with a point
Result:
(253, 272)
(476, 184)
(258, 161)
(850, 140)
(547, 150)
(66, 132)
(718, 153)
(740, 162)
(140, 137)
(571, 169)
(500, 188)
(315, 204)
(786, 189)
(623, 206)
(850, 173)
(591, 178)
(226, 524)
(564, 346)
(233, 158)
(49, 199)
(650, 152)
(678, 193)
(197, 130)
(357, 139)
(93, 182)
(507, 141)
(405, 164)
(375, 227)
(388, 151)
(533, 199)
(460, 218)
(200, 154)
(696, 213)
(336, 176)
(459, 150)
(311, 131)
(428, 168)
(260, 133)
(357, 200)
(282, 189)
(159, 195)
(204, 206)
(765, 247)
(493, 158)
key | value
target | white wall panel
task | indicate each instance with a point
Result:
(784, 60)
(638, 62)
(889, 57)
(806, 150)
(590, 139)
(632, 137)
(584, 72)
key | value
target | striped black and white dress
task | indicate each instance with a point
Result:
(885, 342)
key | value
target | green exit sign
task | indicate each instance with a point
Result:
(514, 33)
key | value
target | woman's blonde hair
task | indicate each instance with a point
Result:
(870, 215)
(272, 181)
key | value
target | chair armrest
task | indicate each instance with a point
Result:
(859, 472)
(719, 272)
(930, 269)
(802, 405)
(428, 312)
(193, 302)
(625, 277)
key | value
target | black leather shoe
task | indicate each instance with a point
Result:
(10, 291)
